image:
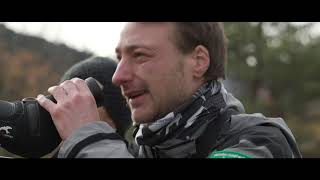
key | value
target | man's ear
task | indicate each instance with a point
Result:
(201, 60)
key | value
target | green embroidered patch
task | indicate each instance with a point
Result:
(227, 154)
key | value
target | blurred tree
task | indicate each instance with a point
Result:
(277, 67)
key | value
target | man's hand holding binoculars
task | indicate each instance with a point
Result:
(75, 106)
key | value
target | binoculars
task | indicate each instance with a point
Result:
(27, 129)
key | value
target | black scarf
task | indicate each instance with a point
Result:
(175, 134)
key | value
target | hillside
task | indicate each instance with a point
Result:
(29, 65)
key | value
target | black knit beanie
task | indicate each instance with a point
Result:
(102, 69)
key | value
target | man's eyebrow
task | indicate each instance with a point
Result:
(131, 48)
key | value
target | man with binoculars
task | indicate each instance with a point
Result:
(169, 73)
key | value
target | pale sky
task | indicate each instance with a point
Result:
(99, 38)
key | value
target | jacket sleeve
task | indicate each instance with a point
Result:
(255, 142)
(94, 140)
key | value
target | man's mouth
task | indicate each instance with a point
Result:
(135, 94)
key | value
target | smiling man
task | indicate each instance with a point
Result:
(169, 73)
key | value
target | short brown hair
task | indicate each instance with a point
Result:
(210, 35)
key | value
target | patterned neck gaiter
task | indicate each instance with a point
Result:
(175, 134)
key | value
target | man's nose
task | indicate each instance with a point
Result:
(123, 73)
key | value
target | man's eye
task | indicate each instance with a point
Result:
(119, 58)
(138, 55)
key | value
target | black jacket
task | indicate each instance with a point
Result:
(240, 136)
